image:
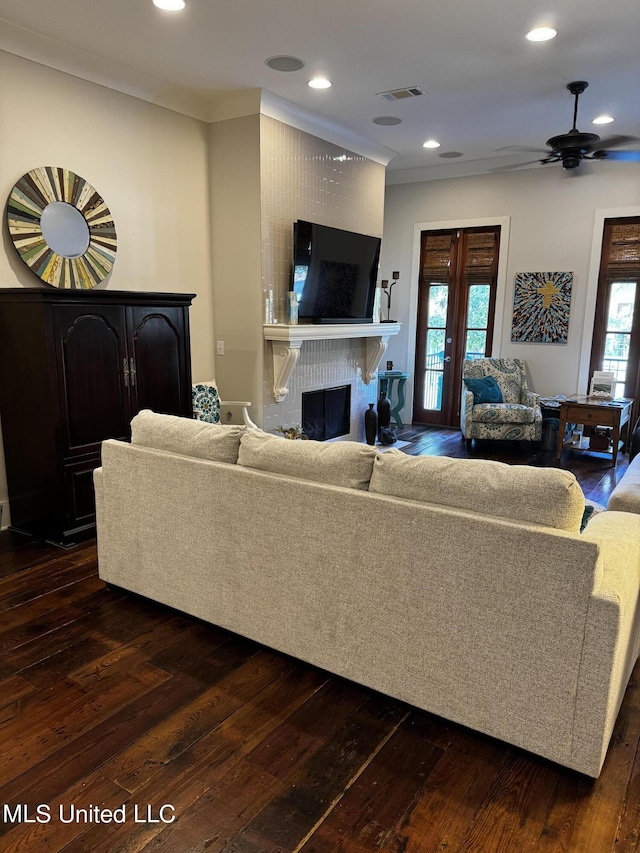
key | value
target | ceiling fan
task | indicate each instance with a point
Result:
(573, 147)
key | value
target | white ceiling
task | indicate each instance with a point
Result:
(487, 87)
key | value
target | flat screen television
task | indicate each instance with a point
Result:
(334, 273)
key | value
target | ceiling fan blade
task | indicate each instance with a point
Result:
(628, 156)
(514, 166)
(615, 142)
(523, 148)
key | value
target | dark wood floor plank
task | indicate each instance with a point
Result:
(515, 808)
(302, 734)
(53, 775)
(13, 690)
(372, 807)
(209, 761)
(32, 743)
(288, 819)
(451, 796)
(245, 688)
(219, 814)
(50, 602)
(42, 579)
(62, 829)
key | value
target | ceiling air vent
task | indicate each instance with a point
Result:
(400, 94)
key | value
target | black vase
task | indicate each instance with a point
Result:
(384, 411)
(370, 424)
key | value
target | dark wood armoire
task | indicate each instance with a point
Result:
(75, 367)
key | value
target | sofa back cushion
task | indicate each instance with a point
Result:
(340, 463)
(189, 438)
(546, 496)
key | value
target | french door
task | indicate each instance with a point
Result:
(456, 306)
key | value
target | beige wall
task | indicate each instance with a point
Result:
(234, 162)
(149, 164)
(551, 217)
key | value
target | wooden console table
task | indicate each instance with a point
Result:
(594, 411)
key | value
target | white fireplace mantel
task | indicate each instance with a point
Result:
(286, 342)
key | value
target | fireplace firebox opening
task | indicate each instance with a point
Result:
(327, 413)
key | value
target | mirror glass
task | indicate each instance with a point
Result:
(65, 229)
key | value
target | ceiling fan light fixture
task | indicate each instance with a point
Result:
(603, 119)
(541, 34)
(431, 143)
(169, 5)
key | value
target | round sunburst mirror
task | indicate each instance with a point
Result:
(61, 228)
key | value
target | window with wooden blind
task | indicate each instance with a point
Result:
(616, 333)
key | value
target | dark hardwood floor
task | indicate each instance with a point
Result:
(204, 741)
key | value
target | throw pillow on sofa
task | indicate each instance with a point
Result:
(340, 463)
(484, 390)
(547, 496)
(218, 442)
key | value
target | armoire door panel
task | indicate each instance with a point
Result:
(93, 357)
(157, 359)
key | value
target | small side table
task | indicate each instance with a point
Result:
(596, 411)
(387, 380)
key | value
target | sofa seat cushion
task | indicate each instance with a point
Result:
(340, 463)
(545, 496)
(219, 442)
(503, 413)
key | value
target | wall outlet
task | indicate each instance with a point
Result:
(219, 347)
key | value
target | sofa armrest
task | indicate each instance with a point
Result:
(626, 495)
(612, 631)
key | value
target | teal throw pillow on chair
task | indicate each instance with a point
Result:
(485, 390)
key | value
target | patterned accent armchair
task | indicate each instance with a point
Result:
(207, 404)
(517, 417)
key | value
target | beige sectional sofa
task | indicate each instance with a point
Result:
(463, 587)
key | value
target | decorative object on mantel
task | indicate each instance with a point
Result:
(541, 304)
(387, 289)
(295, 432)
(61, 228)
(370, 424)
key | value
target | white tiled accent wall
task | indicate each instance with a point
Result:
(304, 177)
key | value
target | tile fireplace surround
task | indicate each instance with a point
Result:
(311, 357)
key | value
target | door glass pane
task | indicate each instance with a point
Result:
(438, 302)
(434, 365)
(476, 344)
(478, 312)
(621, 304)
(622, 297)
(616, 355)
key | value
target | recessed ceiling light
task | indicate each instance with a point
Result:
(169, 5)
(604, 119)
(431, 143)
(285, 63)
(450, 155)
(541, 34)
(387, 121)
(320, 83)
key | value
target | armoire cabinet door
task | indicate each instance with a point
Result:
(158, 360)
(92, 376)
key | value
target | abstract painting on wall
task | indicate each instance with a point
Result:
(541, 303)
